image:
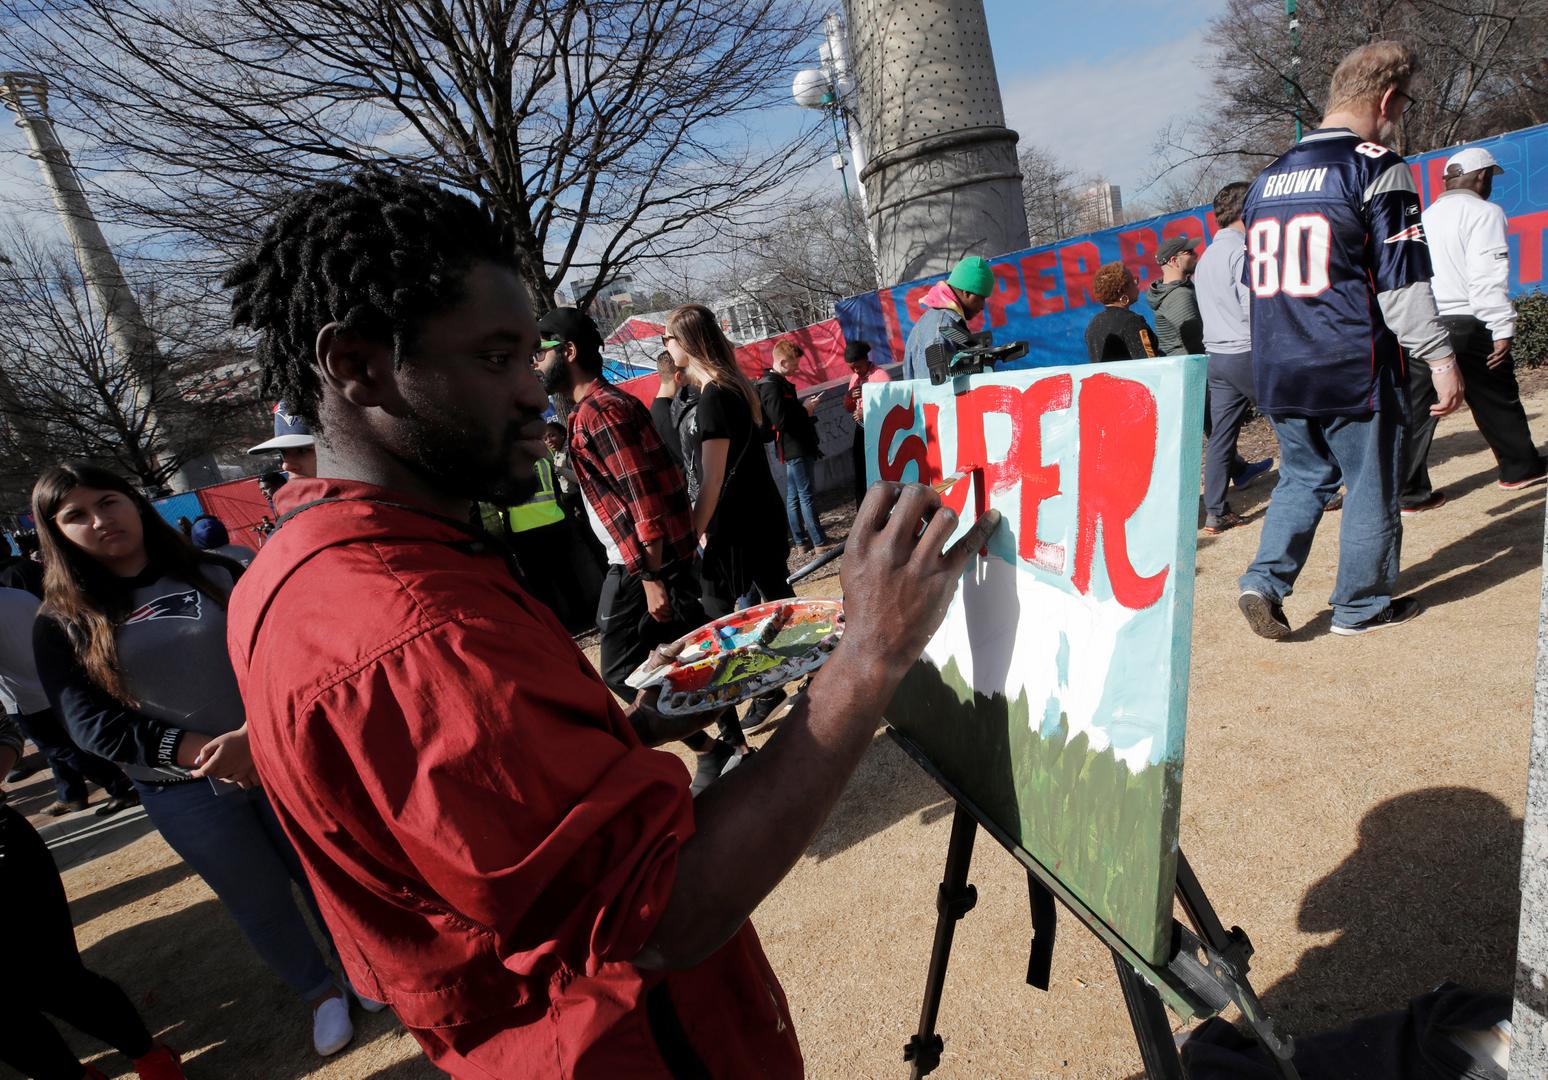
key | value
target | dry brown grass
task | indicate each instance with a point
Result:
(1353, 803)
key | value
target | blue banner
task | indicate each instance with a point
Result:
(1044, 294)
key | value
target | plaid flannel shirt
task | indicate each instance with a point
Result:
(628, 477)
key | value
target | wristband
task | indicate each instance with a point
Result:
(1443, 369)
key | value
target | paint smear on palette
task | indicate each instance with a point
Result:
(742, 655)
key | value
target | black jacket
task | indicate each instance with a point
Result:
(1117, 333)
(787, 418)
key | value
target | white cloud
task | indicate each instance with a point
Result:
(1103, 116)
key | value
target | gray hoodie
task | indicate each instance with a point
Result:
(1179, 329)
(1223, 297)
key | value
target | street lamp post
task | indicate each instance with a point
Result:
(1292, 81)
(829, 87)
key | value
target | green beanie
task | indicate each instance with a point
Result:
(972, 275)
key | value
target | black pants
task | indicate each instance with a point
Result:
(72, 766)
(47, 975)
(732, 570)
(1492, 395)
(629, 633)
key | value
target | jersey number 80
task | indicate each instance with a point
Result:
(1291, 258)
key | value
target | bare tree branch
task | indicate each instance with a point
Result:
(597, 132)
(1482, 71)
(66, 393)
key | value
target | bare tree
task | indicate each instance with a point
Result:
(1482, 71)
(1051, 191)
(65, 393)
(794, 267)
(597, 132)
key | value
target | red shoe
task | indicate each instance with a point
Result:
(162, 1063)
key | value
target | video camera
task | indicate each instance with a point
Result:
(979, 355)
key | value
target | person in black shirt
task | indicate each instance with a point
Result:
(665, 412)
(736, 513)
(1116, 333)
(795, 434)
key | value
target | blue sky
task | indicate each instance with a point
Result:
(1103, 78)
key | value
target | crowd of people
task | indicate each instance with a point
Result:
(483, 833)
(1354, 320)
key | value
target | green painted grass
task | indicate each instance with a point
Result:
(1108, 833)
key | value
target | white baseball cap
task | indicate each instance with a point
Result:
(290, 432)
(1471, 160)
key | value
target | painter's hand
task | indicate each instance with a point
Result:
(897, 583)
(654, 729)
(1448, 387)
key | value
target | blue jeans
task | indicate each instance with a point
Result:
(235, 843)
(798, 503)
(1315, 455)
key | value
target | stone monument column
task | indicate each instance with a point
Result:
(942, 180)
(1529, 1039)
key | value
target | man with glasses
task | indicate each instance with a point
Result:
(636, 499)
(1340, 277)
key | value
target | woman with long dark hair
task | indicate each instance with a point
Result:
(737, 511)
(738, 514)
(131, 650)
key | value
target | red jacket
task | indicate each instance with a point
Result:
(487, 838)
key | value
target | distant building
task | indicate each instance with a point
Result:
(763, 306)
(612, 304)
(1100, 207)
(746, 318)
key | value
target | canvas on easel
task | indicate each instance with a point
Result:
(1054, 693)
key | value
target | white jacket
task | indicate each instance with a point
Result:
(1466, 236)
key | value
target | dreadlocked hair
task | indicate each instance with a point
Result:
(375, 254)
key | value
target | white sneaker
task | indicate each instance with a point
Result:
(331, 1026)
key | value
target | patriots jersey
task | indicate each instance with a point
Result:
(1331, 226)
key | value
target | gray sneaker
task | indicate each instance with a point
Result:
(1401, 610)
(710, 765)
(1266, 617)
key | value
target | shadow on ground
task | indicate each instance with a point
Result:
(1430, 894)
(886, 788)
(1507, 546)
(83, 909)
(199, 984)
(73, 838)
(411, 1069)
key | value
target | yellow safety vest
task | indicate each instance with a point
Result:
(492, 518)
(543, 508)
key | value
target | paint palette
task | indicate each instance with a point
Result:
(742, 655)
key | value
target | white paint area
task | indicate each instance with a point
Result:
(1007, 646)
